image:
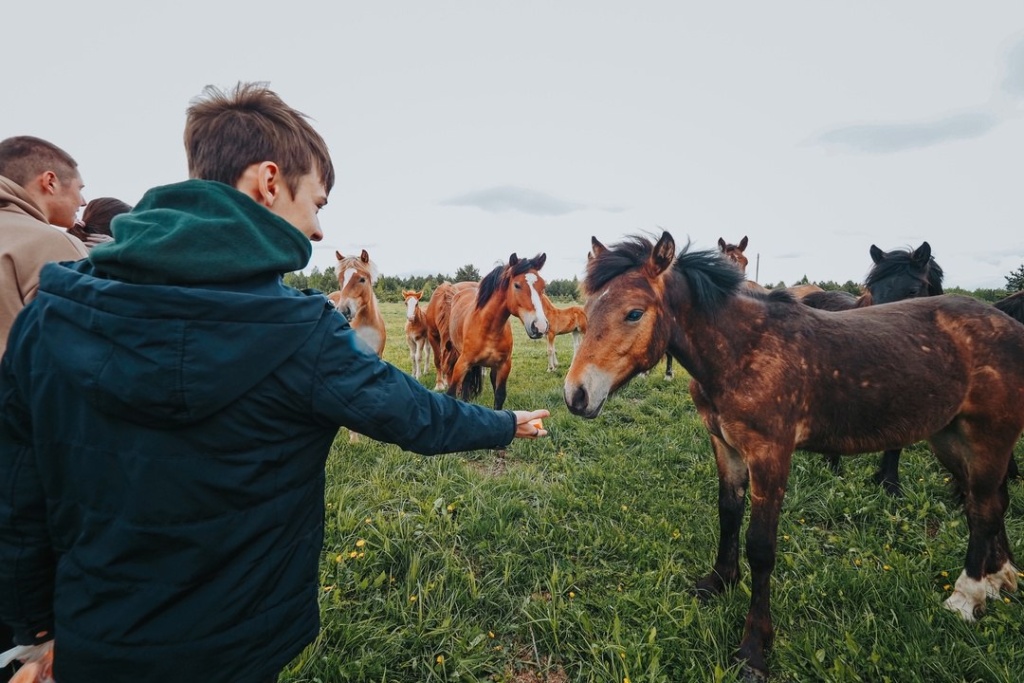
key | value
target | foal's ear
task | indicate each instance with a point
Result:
(540, 260)
(513, 259)
(877, 255)
(338, 255)
(364, 257)
(664, 253)
(743, 244)
(596, 248)
(722, 245)
(923, 252)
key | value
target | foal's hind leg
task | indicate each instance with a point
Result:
(977, 455)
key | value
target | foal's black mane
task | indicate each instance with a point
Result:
(900, 262)
(494, 281)
(711, 276)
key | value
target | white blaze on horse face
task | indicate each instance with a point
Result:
(535, 296)
(410, 308)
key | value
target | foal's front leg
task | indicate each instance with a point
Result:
(732, 499)
(769, 471)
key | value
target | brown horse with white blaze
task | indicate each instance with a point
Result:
(770, 375)
(475, 330)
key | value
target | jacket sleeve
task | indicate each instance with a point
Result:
(353, 388)
(27, 561)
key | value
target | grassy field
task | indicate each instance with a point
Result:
(571, 558)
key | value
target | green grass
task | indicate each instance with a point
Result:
(571, 558)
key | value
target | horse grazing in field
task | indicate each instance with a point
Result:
(563, 321)
(895, 276)
(416, 331)
(475, 330)
(441, 299)
(770, 375)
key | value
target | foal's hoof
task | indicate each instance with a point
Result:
(749, 674)
(708, 587)
(1003, 580)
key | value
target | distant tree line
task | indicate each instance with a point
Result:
(389, 288)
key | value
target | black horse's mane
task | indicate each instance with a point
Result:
(902, 262)
(497, 278)
(710, 275)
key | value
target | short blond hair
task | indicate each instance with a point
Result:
(226, 132)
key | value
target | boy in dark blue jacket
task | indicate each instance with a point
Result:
(167, 408)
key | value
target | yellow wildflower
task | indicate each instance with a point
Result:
(360, 543)
(440, 660)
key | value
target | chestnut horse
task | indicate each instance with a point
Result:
(770, 375)
(475, 330)
(416, 331)
(563, 321)
(894, 276)
(441, 298)
(357, 301)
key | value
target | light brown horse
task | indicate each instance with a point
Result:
(441, 299)
(563, 321)
(416, 331)
(770, 375)
(357, 301)
(475, 329)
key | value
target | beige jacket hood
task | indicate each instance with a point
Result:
(27, 241)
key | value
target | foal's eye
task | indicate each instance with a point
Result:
(516, 285)
(634, 315)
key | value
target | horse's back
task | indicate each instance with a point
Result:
(883, 376)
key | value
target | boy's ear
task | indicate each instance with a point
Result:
(262, 182)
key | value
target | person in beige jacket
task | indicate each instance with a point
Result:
(40, 188)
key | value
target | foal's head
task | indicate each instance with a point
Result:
(356, 278)
(903, 274)
(522, 287)
(412, 299)
(734, 252)
(639, 296)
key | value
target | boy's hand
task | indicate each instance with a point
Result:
(529, 424)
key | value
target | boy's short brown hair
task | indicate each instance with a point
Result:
(24, 157)
(225, 133)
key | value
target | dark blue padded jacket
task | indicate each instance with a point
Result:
(162, 446)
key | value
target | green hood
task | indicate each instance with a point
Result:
(199, 232)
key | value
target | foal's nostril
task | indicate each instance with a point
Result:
(578, 402)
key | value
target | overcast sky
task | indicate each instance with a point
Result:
(464, 131)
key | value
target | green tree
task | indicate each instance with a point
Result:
(1015, 280)
(467, 273)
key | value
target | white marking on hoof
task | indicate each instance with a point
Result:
(968, 598)
(1003, 580)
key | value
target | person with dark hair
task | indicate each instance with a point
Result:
(40, 187)
(166, 522)
(94, 226)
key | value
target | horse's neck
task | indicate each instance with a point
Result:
(706, 346)
(495, 311)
